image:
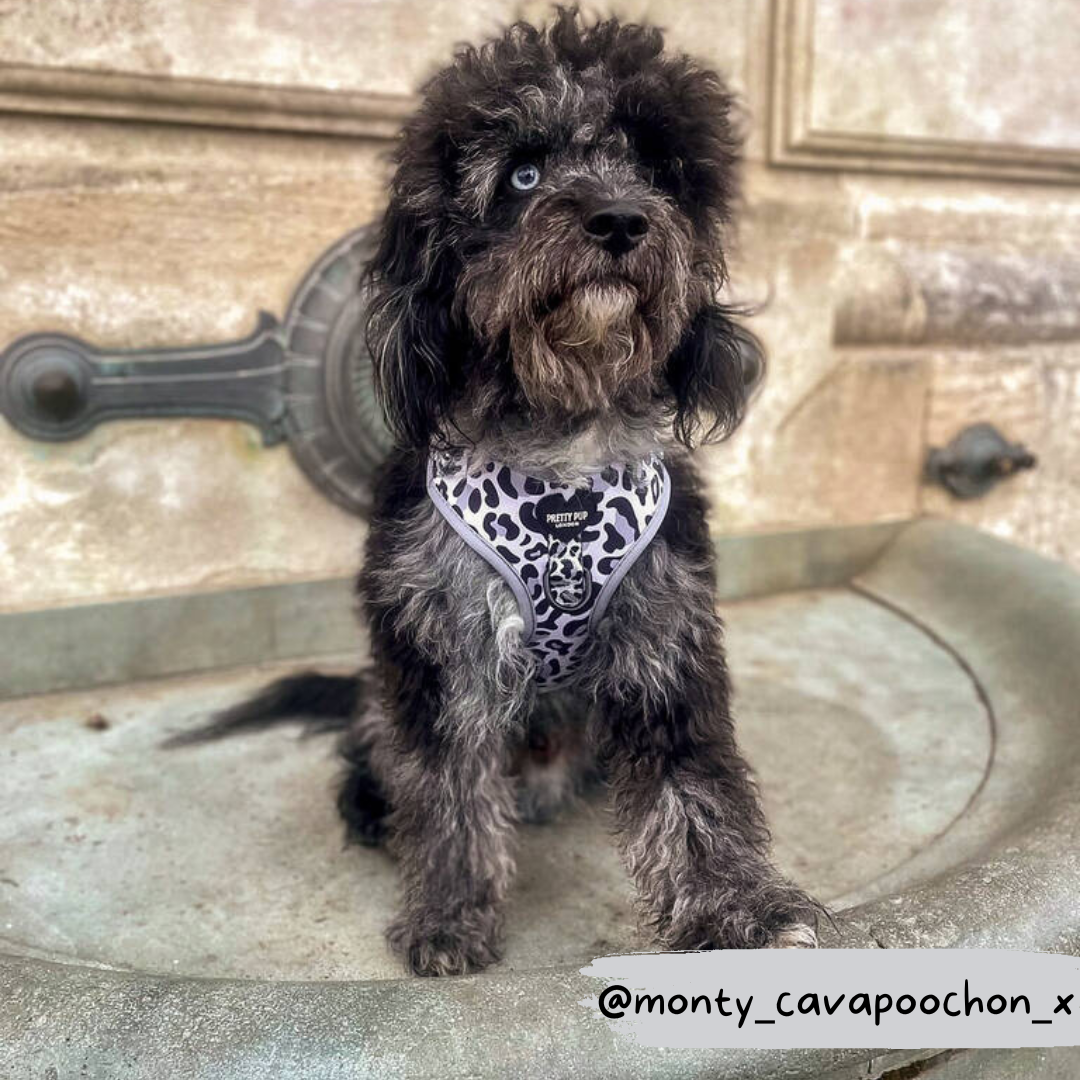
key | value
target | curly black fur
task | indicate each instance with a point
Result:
(544, 293)
(661, 133)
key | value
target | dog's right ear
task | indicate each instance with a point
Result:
(409, 334)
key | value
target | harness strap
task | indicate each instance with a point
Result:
(562, 549)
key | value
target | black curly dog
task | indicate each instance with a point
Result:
(544, 295)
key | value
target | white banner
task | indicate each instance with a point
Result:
(901, 998)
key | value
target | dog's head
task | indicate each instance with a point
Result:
(553, 244)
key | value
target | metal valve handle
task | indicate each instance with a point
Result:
(57, 387)
(976, 460)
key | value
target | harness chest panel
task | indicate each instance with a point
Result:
(562, 549)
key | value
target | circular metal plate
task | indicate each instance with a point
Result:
(335, 427)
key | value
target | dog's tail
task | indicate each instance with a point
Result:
(325, 703)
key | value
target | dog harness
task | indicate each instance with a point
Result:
(562, 548)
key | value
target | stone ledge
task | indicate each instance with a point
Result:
(64, 648)
(202, 102)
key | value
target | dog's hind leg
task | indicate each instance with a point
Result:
(362, 799)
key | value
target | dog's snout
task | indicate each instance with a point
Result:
(616, 226)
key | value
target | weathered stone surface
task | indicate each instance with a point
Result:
(143, 234)
(927, 211)
(380, 47)
(943, 295)
(849, 450)
(180, 238)
(150, 507)
(124, 819)
(1005, 874)
(789, 254)
(973, 82)
(1052, 1063)
(135, 235)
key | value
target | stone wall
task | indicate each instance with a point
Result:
(910, 234)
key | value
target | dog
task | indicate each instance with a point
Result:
(538, 576)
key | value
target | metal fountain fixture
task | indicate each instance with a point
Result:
(306, 380)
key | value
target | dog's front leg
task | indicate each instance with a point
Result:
(691, 829)
(452, 828)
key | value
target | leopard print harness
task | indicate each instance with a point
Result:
(561, 548)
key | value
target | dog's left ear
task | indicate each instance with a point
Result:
(410, 336)
(711, 375)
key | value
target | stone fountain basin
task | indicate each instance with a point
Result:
(908, 694)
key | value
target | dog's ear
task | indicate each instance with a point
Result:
(711, 374)
(409, 334)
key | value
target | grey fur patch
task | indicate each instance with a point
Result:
(664, 607)
(436, 582)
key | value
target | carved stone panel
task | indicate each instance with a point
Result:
(331, 66)
(918, 86)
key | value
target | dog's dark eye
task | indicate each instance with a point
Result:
(525, 177)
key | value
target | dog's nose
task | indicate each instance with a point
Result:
(616, 226)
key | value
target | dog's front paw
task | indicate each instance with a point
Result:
(777, 916)
(461, 948)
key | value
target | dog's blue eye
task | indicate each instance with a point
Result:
(525, 177)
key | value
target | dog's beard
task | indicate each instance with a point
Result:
(588, 351)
